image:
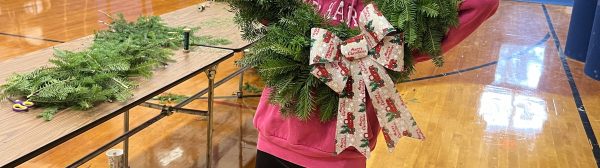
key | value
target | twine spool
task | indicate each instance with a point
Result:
(115, 158)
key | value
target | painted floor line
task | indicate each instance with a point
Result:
(587, 126)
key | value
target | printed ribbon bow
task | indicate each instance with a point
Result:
(350, 67)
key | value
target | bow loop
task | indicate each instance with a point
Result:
(324, 46)
(374, 25)
(326, 61)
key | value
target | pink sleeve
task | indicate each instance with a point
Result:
(471, 15)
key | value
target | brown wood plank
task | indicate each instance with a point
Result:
(215, 20)
(22, 133)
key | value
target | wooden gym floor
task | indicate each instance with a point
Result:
(503, 98)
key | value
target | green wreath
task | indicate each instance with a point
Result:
(281, 57)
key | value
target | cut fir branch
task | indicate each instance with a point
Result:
(251, 88)
(169, 98)
(48, 113)
(209, 40)
(103, 72)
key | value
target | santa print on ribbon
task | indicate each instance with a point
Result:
(357, 67)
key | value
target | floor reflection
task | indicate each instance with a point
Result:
(37, 6)
(168, 157)
(521, 70)
(505, 104)
(505, 109)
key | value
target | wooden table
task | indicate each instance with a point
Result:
(24, 136)
(215, 20)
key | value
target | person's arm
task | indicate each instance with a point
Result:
(471, 15)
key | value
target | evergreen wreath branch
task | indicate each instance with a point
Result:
(281, 56)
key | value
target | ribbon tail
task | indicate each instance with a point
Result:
(393, 115)
(351, 126)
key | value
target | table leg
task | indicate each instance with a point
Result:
(240, 93)
(241, 157)
(126, 142)
(209, 132)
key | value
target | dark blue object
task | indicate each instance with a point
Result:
(552, 2)
(592, 63)
(582, 20)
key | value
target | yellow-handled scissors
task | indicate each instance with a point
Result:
(21, 106)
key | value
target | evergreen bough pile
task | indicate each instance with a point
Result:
(103, 72)
(281, 57)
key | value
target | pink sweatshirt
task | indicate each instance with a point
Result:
(311, 143)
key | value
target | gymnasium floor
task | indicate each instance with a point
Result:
(505, 97)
